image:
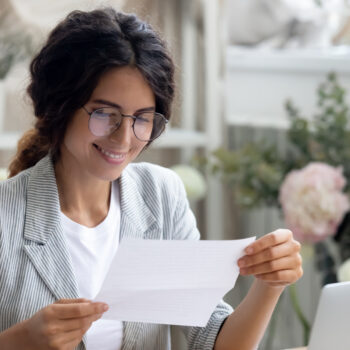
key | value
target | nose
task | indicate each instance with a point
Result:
(124, 134)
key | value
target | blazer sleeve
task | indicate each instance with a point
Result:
(185, 227)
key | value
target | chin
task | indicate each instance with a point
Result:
(108, 175)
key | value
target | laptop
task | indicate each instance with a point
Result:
(331, 328)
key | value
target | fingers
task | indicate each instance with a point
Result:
(269, 240)
(67, 340)
(63, 322)
(270, 253)
(72, 301)
(76, 329)
(78, 323)
(77, 310)
(64, 333)
(282, 276)
(284, 263)
(274, 259)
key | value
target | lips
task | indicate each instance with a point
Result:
(110, 154)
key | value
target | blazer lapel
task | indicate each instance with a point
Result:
(46, 245)
(137, 222)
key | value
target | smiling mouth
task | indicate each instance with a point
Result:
(109, 154)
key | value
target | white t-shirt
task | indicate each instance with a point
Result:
(92, 251)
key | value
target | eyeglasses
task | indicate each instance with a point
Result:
(146, 126)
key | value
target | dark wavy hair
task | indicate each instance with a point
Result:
(79, 50)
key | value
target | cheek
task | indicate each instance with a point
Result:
(77, 140)
(138, 147)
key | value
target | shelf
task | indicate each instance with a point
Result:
(259, 121)
(259, 82)
(288, 60)
(179, 138)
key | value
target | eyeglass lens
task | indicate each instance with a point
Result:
(147, 125)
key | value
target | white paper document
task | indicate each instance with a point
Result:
(170, 282)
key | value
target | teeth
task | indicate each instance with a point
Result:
(111, 155)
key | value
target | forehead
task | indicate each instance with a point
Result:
(125, 86)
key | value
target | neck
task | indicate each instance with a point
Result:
(83, 198)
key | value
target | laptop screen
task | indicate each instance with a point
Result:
(331, 328)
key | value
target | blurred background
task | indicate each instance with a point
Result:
(233, 137)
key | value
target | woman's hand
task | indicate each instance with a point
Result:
(61, 326)
(274, 259)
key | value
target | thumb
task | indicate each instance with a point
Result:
(72, 301)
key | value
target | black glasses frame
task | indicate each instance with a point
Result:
(133, 124)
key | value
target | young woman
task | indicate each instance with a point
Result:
(102, 88)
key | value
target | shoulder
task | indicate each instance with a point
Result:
(156, 178)
(160, 188)
(13, 196)
(14, 188)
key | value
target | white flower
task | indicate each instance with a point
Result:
(3, 174)
(193, 181)
(344, 271)
(312, 201)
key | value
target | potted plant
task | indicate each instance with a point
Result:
(309, 182)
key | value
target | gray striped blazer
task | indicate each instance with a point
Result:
(35, 266)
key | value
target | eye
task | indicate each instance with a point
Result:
(106, 113)
(145, 117)
(142, 120)
(101, 113)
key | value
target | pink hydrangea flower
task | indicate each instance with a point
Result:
(312, 201)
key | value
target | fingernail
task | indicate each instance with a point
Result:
(105, 307)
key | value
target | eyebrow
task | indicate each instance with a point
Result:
(115, 105)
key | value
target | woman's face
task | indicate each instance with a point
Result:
(105, 157)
